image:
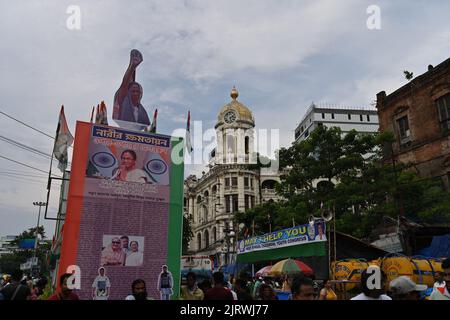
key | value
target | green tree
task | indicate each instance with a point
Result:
(346, 173)
(12, 261)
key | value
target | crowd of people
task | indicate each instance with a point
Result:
(301, 287)
(18, 286)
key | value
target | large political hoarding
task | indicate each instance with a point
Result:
(302, 240)
(125, 199)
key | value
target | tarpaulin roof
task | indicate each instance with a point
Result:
(439, 248)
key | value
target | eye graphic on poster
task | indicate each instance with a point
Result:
(128, 111)
(102, 162)
(157, 169)
(156, 166)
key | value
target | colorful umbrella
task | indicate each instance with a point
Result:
(304, 267)
(264, 271)
(290, 266)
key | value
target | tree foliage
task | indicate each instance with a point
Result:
(346, 173)
(11, 261)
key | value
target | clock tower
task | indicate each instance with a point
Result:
(235, 132)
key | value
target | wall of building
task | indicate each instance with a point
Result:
(428, 146)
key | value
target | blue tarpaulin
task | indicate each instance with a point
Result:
(439, 248)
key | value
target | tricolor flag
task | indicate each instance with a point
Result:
(153, 126)
(97, 115)
(62, 141)
(188, 133)
(103, 114)
(92, 114)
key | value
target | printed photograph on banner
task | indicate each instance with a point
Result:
(128, 164)
(122, 250)
(101, 286)
(320, 231)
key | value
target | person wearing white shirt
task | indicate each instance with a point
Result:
(320, 234)
(134, 257)
(368, 293)
(101, 286)
(440, 283)
(443, 293)
(139, 291)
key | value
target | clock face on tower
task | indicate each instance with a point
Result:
(230, 117)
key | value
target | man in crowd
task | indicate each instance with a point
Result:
(443, 293)
(403, 288)
(439, 280)
(258, 283)
(139, 291)
(240, 286)
(191, 291)
(65, 292)
(369, 293)
(302, 288)
(15, 290)
(218, 292)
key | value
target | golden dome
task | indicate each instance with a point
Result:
(243, 112)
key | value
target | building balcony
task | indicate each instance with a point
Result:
(268, 192)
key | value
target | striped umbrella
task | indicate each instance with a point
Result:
(264, 271)
(290, 266)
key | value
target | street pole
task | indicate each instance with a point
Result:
(40, 204)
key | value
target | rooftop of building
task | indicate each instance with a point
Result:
(335, 108)
(416, 83)
(243, 111)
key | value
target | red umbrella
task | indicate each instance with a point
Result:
(304, 267)
(264, 271)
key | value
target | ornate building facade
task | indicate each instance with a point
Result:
(231, 185)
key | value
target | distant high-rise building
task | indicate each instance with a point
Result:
(6, 245)
(346, 118)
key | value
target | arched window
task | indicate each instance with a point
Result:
(231, 144)
(206, 236)
(199, 241)
(214, 231)
(204, 214)
(247, 145)
(268, 184)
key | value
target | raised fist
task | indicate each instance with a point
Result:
(135, 58)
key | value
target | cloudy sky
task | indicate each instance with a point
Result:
(281, 56)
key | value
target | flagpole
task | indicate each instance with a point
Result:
(51, 163)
